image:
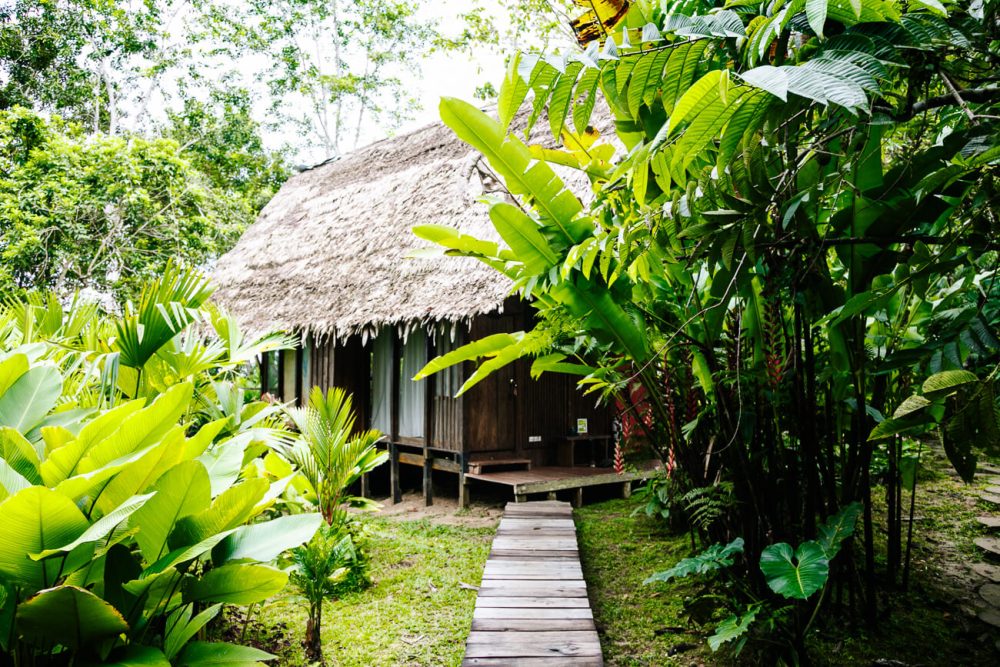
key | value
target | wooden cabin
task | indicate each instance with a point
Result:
(333, 258)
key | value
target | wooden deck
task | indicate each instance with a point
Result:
(532, 607)
(550, 479)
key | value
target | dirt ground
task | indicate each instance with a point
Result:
(444, 511)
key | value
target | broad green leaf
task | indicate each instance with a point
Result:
(140, 429)
(63, 462)
(705, 92)
(224, 461)
(210, 654)
(237, 584)
(797, 575)
(12, 368)
(232, 508)
(816, 15)
(34, 520)
(512, 160)
(838, 528)
(945, 382)
(11, 481)
(714, 558)
(70, 616)
(768, 78)
(182, 491)
(181, 628)
(589, 300)
(523, 236)
(30, 398)
(513, 91)
(133, 655)
(100, 528)
(911, 405)
(266, 541)
(484, 347)
(140, 475)
(732, 628)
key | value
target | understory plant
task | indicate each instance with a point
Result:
(786, 225)
(799, 574)
(331, 456)
(128, 509)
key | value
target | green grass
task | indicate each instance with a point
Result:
(638, 625)
(415, 612)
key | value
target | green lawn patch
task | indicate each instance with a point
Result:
(638, 624)
(415, 613)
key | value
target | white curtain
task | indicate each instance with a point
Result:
(382, 381)
(411, 394)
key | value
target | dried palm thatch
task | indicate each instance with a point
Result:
(329, 255)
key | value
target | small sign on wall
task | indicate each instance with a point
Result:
(581, 427)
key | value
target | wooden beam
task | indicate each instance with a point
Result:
(396, 490)
(578, 482)
(300, 354)
(463, 484)
(428, 427)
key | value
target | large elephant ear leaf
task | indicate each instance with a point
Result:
(70, 616)
(797, 575)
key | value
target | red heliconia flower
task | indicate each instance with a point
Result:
(619, 458)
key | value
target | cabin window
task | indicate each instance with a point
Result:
(412, 394)
(382, 382)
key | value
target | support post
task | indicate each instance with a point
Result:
(551, 495)
(428, 478)
(627, 490)
(463, 486)
(578, 497)
(397, 493)
(366, 491)
(520, 497)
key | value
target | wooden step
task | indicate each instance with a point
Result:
(479, 467)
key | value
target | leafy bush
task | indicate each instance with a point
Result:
(127, 507)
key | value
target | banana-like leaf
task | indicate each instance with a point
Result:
(484, 347)
(237, 584)
(133, 655)
(211, 654)
(70, 616)
(32, 395)
(181, 627)
(816, 15)
(266, 541)
(588, 300)
(182, 491)
(512, 160)
(231, 509)
(11, 481)
(34, 520)
(100, 529)
(523, 236)
(795, 575)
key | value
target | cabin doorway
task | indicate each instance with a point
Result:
(493, 410)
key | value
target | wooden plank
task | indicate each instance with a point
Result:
(516, 645)
(565, 589)
(531, 624)
(583, 661)
(546, 613)
(531, 603)
(518, 554)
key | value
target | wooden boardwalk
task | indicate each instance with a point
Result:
(532, 607)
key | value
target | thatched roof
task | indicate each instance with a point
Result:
(329, 254)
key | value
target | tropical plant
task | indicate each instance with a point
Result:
(331, 456)
(798, 228)
(128, 518)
